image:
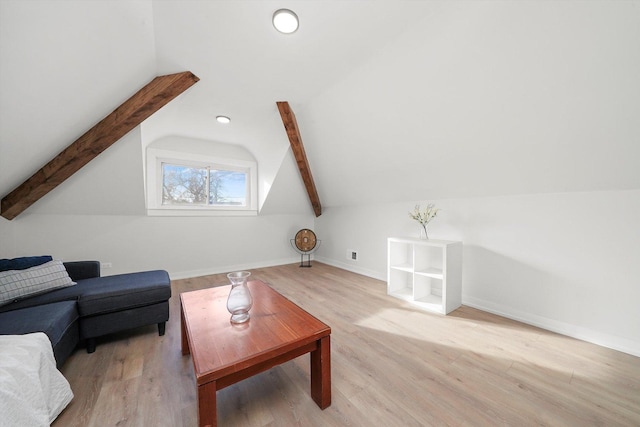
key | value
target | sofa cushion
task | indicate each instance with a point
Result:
(18, 284)
(107, 294)
(70, 293)
(23, 262)
(52, 319)
(79, 270)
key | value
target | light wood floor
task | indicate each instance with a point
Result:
(392, 365)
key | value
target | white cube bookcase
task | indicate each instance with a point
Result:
(427, 273)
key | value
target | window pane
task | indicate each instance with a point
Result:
(183, 185)
(228, 188)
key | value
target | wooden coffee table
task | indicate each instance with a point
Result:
(224, 353)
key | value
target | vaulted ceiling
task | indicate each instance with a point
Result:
(395, 100)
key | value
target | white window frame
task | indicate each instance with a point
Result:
(155, 159)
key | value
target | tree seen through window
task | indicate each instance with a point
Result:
(192, 185)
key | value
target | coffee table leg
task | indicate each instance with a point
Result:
(321, 373)
(207, 410)
(183, 332)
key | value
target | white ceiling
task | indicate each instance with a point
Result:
(246, 66)
(396, 100)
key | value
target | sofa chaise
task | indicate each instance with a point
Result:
(90, 307)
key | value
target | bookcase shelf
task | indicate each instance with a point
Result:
(427, 273)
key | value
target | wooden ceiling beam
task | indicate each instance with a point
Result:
(157, 93)
(293, 132)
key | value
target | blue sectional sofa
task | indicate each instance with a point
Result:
(93, 307)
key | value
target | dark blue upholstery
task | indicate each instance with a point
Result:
(58, 320)
(95, 306)
(108, 323)
(23, 263)
(79, 270)
(70, 293)
(123, 291)
(106, 294)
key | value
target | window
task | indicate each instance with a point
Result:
(196, 182)
(189, 185)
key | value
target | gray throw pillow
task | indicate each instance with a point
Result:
(18, 284)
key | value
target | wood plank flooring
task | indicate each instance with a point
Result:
(392, 365)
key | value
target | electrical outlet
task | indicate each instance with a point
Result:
(106, 265)
(352, 254)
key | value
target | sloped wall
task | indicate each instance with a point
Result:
(485, 98)
(111, 184)
(287, 194)
(63, 67)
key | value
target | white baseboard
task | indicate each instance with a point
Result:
(177, 275)
(605, 340)
(352, 268)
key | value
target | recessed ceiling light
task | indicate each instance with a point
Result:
(285, 21)
(223, 119)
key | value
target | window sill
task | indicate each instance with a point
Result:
(201, 212)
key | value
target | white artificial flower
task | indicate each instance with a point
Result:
(423, 217)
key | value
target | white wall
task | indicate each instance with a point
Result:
(567, 262)
(65, 65)
(184, 246)
(485, 98)
(99, 214)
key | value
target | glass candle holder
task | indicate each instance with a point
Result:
(239, 302)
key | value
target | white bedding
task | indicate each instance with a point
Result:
(32, 390)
